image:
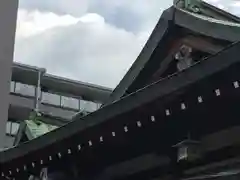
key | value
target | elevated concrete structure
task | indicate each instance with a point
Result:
(60, 98)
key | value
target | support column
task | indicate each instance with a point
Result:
(8, 16)
(38, 91)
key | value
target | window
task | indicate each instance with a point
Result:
(12, 86)
(24, 89)
(88, 106)
(50, 98)
(12, 128)
(69, 102)
(8, 127)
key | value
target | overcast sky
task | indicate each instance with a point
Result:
(93, 41)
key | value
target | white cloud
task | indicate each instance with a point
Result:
(29, 24)
(92, 18)
(231, 6)
(212, 1)
(73, 7)
(235, 4)
(134, 15)
(221, 6)
(89, 40)
(85, 48)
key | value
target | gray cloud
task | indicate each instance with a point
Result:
(135, 15)
(96, 53)
(99, 54)
(73, 7)
(232, 6)
(92, 52)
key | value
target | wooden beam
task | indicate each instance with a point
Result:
(202, 44)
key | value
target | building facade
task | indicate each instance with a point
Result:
(58, 97)
(7, 9)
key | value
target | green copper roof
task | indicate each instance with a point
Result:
(201, 9)
(35, 129)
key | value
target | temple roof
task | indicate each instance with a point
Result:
(214, 27)
(107, 119)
